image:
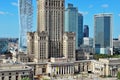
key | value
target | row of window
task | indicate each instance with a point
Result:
(55, 3)
(10, 77)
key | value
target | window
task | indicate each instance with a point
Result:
(43, 70)
(2, 78)
(46, 3)
(16, 77)
(9, 77)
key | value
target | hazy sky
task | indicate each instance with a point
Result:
(9, 22)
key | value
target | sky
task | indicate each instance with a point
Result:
(9, 19)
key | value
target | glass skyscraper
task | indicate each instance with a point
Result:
(74, 23)
(80, 29)
(25, 22)
(103, 33)
(86, 31)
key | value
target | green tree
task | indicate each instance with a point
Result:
(26, 78)
(118, 75)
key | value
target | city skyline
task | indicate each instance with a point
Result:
(51, 51)
(10, 24)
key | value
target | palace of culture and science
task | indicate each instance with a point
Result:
(50, 50)
(50, 41)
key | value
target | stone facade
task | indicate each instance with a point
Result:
(51, 19)
(48, 42)
(64, 68)
(15, 71)
(41, 47)
(38, 46)
(69, 46)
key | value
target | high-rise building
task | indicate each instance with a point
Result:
(103, 33)
(51, 20)
(86, 31)
(80, 29)
(74, 23)
(119, 37)
(26, 21)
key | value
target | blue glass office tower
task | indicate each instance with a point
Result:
(103, 33)
(86, 31)
(74, 23)
(80, 29)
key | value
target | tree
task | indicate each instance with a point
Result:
(26, 78)
(118, 75)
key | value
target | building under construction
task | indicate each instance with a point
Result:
(26, 21)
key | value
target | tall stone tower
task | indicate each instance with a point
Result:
(51, 19)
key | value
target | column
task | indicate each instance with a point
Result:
(58, 70)
(71, 69)
(68, 69)
(65, 69)
(53, 71)
(85, 67)
(61, 70)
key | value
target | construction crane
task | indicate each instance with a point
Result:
(25, 22)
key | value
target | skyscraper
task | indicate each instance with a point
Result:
(80, 29)
(74, 22)
(26, 20)
(103, 33)
(86, 31)
(50, 19)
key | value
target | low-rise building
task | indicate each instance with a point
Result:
(106, 66)
(14, 71)
(60, 66)
(88, 41)
(116, 44)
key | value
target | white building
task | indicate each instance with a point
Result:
(88, 41)
(116, 43)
